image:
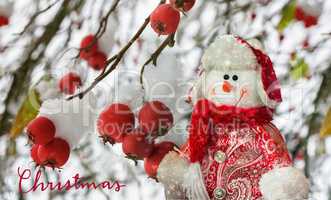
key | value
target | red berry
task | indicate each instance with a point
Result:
(98, 61)
(136, 145)
(182, 5)
(307, 19)
(299, 14)
(165, 19)
(310, 21)
(151, 163)
(4, 21)
(54, 154)
(114, 122)
(88, 47)
(155, 118)
(34, 154)
(41, 130)
(69, 83)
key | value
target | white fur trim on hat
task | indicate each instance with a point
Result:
(287, 183)
(227, 53)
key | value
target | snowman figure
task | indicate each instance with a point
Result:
(233, 152)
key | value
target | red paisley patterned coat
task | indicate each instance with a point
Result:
(235, 147)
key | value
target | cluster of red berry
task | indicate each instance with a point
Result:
(307, 19)
(4, 21)
(69, 83)
(90, 52)
(116, 124)
(47, 150)
(165, 18)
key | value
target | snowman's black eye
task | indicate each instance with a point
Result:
(234, 77)
(226, 77)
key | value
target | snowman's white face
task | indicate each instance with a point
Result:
(236, 88)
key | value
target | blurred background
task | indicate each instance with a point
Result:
(41, 43)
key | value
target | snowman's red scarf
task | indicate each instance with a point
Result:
(206, 114)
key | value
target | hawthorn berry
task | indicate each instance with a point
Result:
(4, 21)
(115, 122)
(88, 47)
(307, 19)
(151, 163)
(69, 83)
(155, 118)
(310, 21)
(97, 61)
(54, 154)
(41, 130)
(299, 14)
(34, 154)
(136, 146)
(182, 5)
(165, 19)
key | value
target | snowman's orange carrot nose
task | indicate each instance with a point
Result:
(227, 87)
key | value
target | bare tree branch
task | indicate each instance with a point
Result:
(115, 59)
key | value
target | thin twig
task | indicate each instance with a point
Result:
(167, 42)
(104, 20)
(35, 15)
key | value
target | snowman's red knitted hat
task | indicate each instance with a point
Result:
(230, 52)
